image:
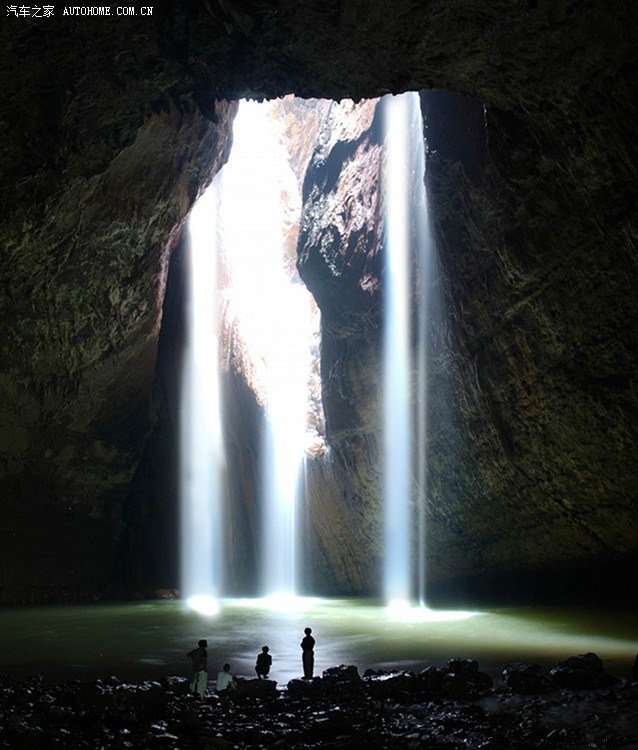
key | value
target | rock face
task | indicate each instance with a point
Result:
(547, 426)
(110, 129)
(535, 273)
(84, 276)
(87, 239)
(340, 243)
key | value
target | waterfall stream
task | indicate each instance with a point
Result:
(404, 375)
(257, 199)
(201, 443)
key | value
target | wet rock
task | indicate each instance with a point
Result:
(24, 696)
(429, 681)
(352, 720)
(190, 721)
(525, 678)
(390, 684)
(111, 681)
(257, 688)
(210, 742)
(462, 666)
(163, 593)
(589, 662)
(144, 701)
(343, 680)
(301, 688)
(123, 703)
(16, 724)
(482, 681)
(31, 739)
(57, 714)
(342, 673)
(583, 672)
(455, 686)
(89, 697)
(176, 685)
(565, 738)
(461, 678)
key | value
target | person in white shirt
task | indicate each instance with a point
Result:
(225, 680)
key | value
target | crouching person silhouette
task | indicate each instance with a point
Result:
(264, 662)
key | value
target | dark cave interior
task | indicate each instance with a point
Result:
(530, 112)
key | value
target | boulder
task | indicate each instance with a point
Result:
(462, 666)
(176, 685)
(302, 688)
(456, 686)
(462, 678)
(583, 672)
(343, 680)
(589, 662)
(257, 688)
(429, 681)
(525, 678)
(390, 684)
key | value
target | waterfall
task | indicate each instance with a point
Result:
(426, 273)
(404, 217)
(243, 222)
(254, 203)
(289, 360)
(201, 444)
(260, 200)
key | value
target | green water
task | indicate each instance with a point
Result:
(146, 640)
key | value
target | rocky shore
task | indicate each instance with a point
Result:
(576, 704)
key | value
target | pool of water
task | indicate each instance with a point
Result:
(145, 640)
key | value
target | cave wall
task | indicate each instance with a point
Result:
(340, 249)
(111, 127)
(528, 469)
(87, 238)
(544, 342)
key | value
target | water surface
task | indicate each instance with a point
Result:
(145, 640)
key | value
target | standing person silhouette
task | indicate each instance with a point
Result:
(308, 654)
(199, 658)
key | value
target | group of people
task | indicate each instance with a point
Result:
(226, 682)
(199, 659)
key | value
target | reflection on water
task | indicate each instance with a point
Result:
(150, 639)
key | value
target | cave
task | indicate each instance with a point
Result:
(531, 185)
(113, 125)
